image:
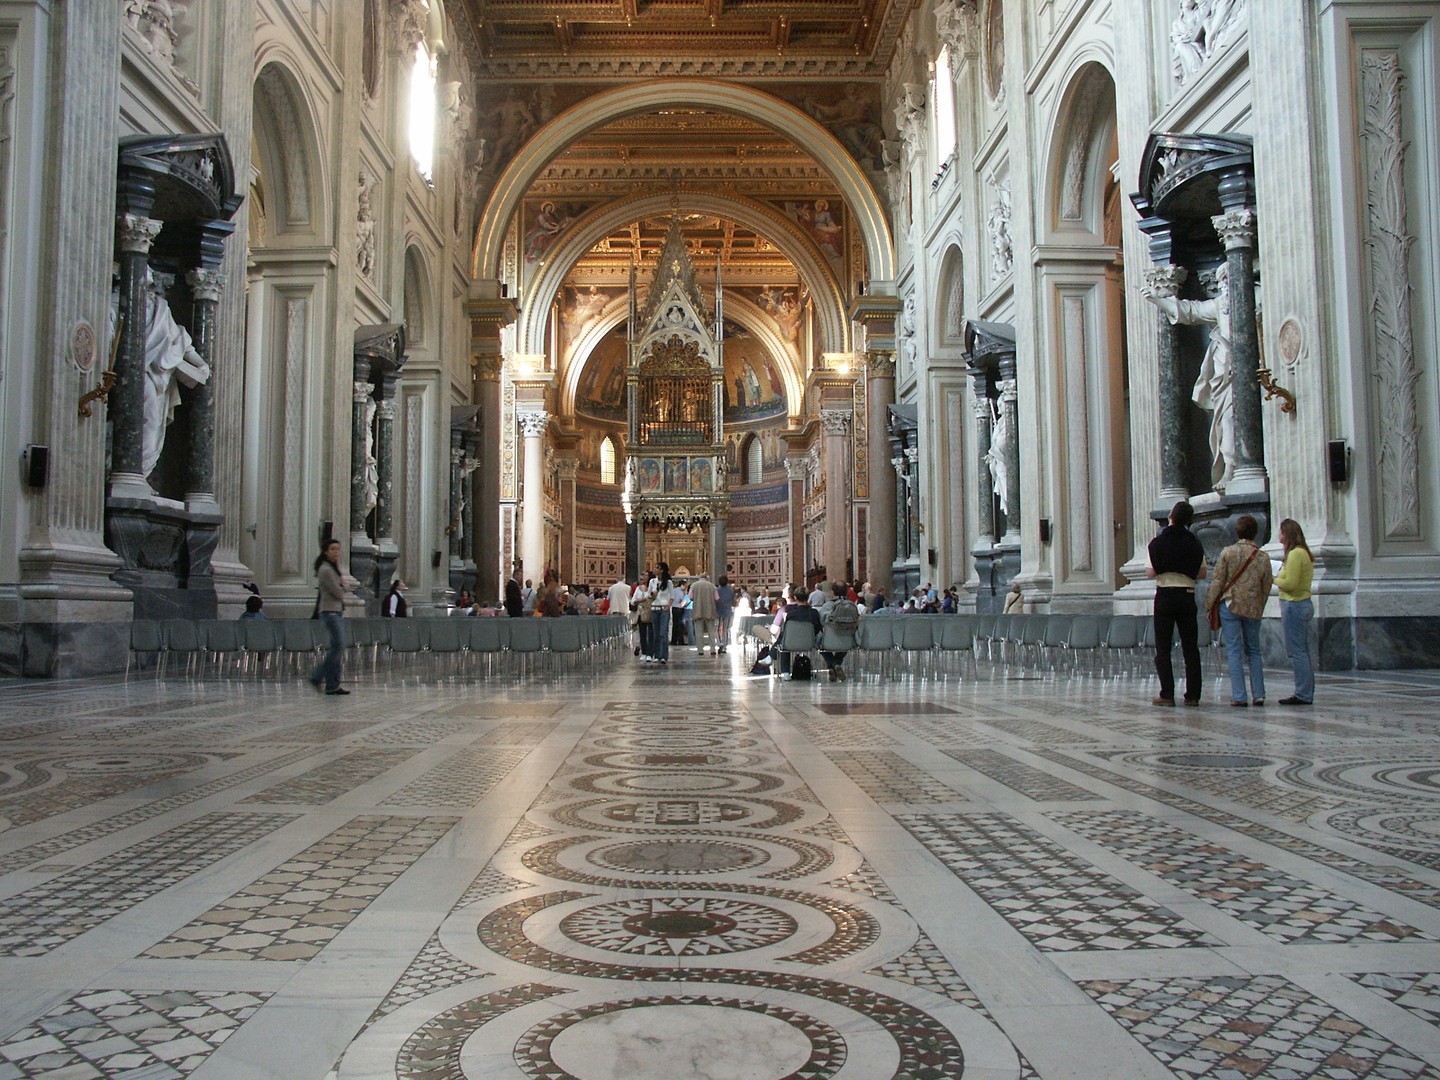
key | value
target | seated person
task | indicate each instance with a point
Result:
(798, 608)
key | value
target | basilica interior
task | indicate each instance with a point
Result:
(966, 293)
(977, 290)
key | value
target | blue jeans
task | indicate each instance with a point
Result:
(660, 633)
(1295, 617)
(1242, 643)
(329, 668)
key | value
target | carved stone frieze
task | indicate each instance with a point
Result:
(1201, 30)
(1392, 340)
(957, 24)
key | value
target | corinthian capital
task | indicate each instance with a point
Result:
(1165, 280)
(138, 233)
(836, 421)
(880, 365)
(1237, 229)
(533, 423)
(206, 284)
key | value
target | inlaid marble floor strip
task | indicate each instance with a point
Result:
(688, 873)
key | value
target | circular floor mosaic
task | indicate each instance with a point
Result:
(673, 760)
(647, 741)
(679, 857)
(644, 1038)
(1215, 761)
(1401, 831)
(1408, 779)
(689, 781)
(678, 926)
(678, 812)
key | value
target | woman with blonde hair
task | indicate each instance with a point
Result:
(1297, 611)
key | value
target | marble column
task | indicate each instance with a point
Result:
(1165, 281)
(795, 470)
(836, 423)
(385, 459)
(484, 544)
(984, 488)
(202, 530)
(902, 508)
(126, 410)
(1011, 447)
(455, 529)
(912, 501)
(533, 424)
(470, 483)
(1237, 231)
(565, 469)
(880, 374)
(207, 286)
(718, 543)
(389, 552)
(360, 443)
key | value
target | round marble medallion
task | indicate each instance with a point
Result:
(122, 762)
(1404, 832)
(665, 1038)
(672, 760)
(679, 857)
(678, 812)
(674, 743)
(1413, 780)
(678, 926)
(1215, 761)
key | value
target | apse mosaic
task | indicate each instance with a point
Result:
(690, 873)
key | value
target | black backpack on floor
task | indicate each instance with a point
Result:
(800, 667)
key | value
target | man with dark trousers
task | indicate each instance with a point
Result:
(1177, 561)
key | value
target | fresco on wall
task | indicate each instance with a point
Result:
(754, 389)
(649, 476)
(544, 221)
(600, 391)
(823, 219)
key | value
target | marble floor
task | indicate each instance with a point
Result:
(685, 873)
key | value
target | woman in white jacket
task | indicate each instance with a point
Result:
(662, 595)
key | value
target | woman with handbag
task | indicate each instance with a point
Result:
(330, 607)
(1238, 592)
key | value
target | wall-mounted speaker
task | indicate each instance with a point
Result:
(1044, 530)
(435, 560)
(37, 466)
(1338, 454)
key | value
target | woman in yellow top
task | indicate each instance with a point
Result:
(1296, 609)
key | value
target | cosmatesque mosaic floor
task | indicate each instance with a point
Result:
(690, 874)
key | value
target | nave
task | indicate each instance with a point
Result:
(671, 873)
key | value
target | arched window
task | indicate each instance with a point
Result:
(422, 112)
(754, 461)
(608, 458)
(944, 109)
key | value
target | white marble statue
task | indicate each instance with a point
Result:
(1213, 390)
(170, 360)
(372, 465)
(995, 456)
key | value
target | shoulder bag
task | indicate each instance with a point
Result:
(1212, 611)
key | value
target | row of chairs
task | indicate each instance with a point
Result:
(934, 645)
(449, 648)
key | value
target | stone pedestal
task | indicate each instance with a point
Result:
(995, 568)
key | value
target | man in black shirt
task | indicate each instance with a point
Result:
(1177, 561)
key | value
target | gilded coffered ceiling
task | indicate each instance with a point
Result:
(744, 38)
(529, 63)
